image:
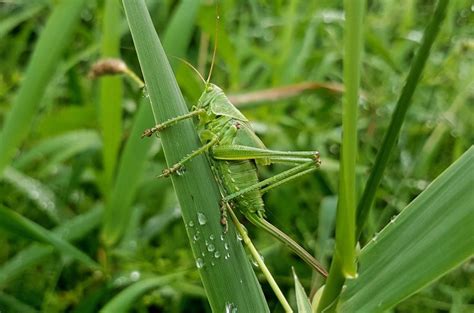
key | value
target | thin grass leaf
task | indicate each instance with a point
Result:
(134, 156)
(26, 259)
(40, 70)
(123, 301)
(13, 20)
(181, 23)
(36, 191)
(130, 170)
(223, 272)
(110, 94)
(302, 301)
(9, 303)
(59, 148)
(23, 227)
(430, 237)
(398, 116)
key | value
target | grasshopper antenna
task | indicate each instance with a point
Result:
(215, 47)
(192, 67)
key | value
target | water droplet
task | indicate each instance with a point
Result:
(227, 256)
(230, 308)
(222, 237)
(226, 246)
(191, 224)
(135, 275)
(254, 263)
(145, 93)
(199, 263)
(212, 263)
(211, 247)
(206, 242)
(217, 254)
(211, 237)
(239, 237)
(181, 171)
(202, 219)
(196, 237)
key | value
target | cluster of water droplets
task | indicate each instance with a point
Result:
(211, 244)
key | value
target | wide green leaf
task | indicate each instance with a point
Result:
(225, 270)
(431, 236)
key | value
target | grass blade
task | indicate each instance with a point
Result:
(197, 191)
(40, 70)
(23, 227)
(71, 230)
(398, 116)
(302, 301)
(431, 236)
(36, 191)
(110, 99)
(125, 299)
(344, 263)
(130, 170)
(133, 159)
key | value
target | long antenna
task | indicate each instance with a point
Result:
(192, 67)
(215, 46)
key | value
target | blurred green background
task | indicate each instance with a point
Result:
(73, 162)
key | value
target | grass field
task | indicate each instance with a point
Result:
(86, 225)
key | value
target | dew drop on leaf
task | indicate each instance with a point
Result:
(199, 263)
(202, 219)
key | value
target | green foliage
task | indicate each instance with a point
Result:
(77, 177)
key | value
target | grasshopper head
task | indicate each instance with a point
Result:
(208, 96)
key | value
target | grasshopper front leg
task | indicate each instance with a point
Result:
(159, 127)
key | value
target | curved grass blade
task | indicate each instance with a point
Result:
(123, 301)
(59, 148)
(23, 227)
(430, 237)
(71, 230)
(36, 191)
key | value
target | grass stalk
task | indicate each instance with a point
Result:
(225, 270)
(344, 263)
(110, 94)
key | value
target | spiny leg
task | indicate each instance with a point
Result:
(178, 166)
(159, 127)
(240, 152)
(206, 135)
(278, 179)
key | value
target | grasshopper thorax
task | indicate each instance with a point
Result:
(215, 102)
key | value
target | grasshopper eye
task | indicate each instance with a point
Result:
(209, 88)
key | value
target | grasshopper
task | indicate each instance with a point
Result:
(234, 150)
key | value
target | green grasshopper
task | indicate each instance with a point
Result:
(234, 150)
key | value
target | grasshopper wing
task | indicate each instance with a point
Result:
(246, 137)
